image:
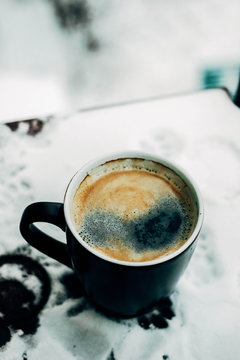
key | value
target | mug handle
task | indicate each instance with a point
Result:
(50, 212)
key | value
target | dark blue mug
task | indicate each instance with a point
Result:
(120, 288)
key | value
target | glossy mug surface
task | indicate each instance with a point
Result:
(131, 222)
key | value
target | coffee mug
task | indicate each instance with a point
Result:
(131, 221)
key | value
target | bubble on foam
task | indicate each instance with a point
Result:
(161, 228)
(99, 226)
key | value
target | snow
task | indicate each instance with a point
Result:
(206, 300)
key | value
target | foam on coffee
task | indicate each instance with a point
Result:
(134, 210)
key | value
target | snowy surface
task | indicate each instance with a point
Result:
(200, 132)
(124, 50)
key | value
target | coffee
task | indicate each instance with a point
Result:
(134, 210)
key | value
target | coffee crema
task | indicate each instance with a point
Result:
(134, 210)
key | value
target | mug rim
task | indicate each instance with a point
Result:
(83, 172)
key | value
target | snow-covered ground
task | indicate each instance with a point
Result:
(199, 132)
(51, 61)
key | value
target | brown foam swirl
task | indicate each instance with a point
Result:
(128, 193)
(120, 252)
(116, 194)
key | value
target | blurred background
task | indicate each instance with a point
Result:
(58, 56)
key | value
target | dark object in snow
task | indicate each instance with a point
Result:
(35, 126)
(157, 317)
(20, 305)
